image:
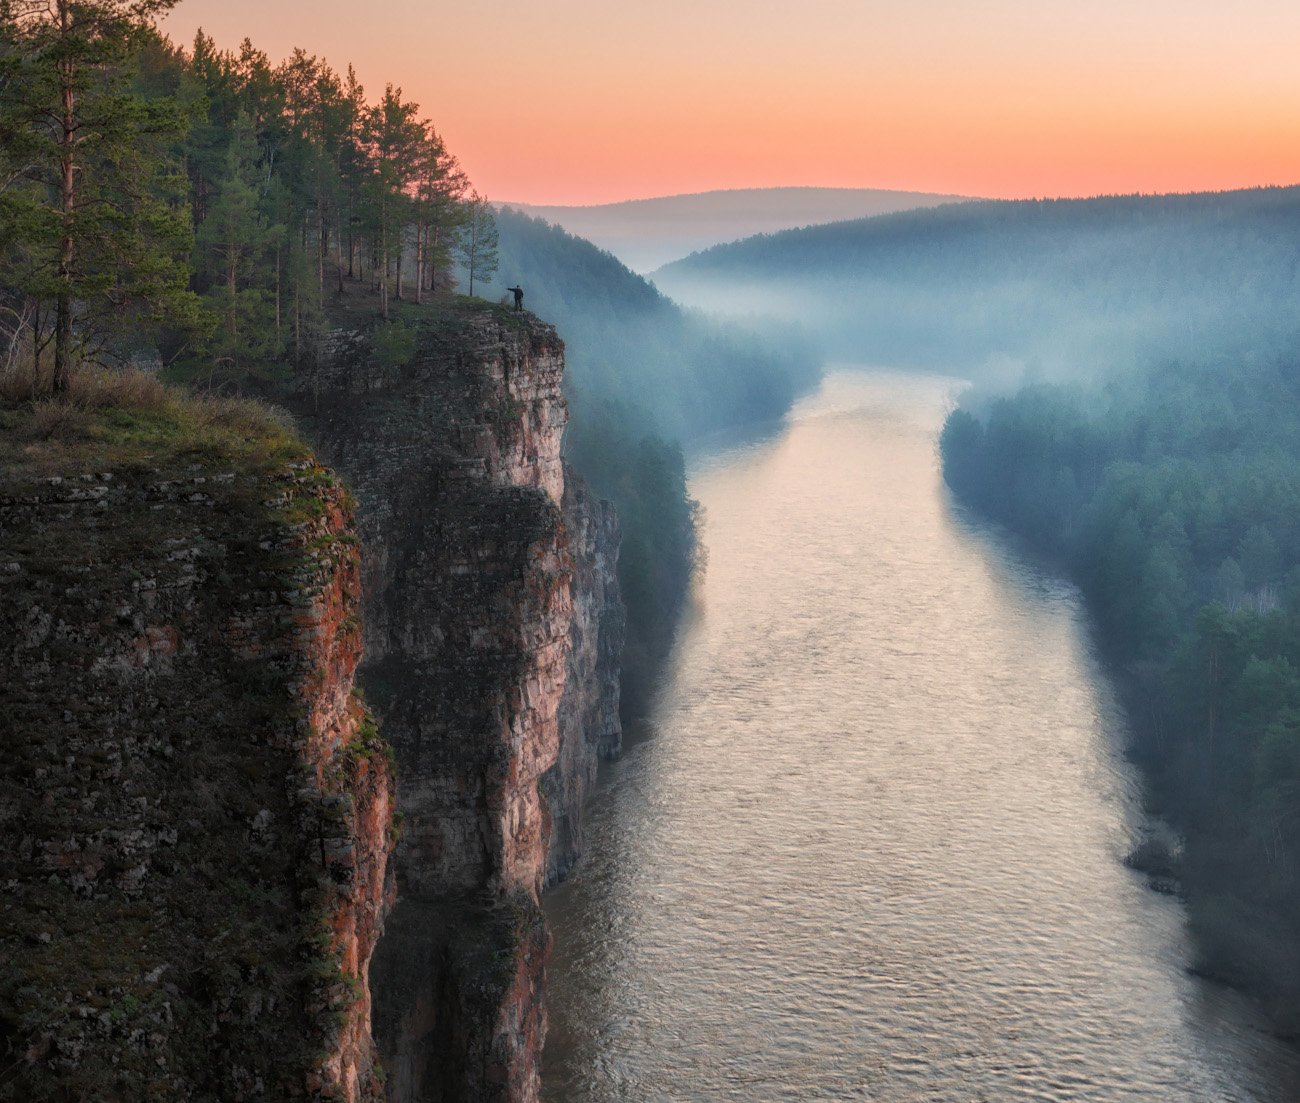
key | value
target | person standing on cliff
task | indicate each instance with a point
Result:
(519, 297)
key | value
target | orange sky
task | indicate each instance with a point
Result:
(589, 101)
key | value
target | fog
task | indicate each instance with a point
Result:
(684, 372)
(1066, 290)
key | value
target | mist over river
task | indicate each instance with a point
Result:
(869, 847)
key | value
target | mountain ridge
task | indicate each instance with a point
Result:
(647, 233)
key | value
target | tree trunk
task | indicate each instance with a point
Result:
(352, 245)
(232, 263)
(36, 349)
(320, 246)
(383, 261)
(420, 231)
(67, 205)
(279, 344)
(338, 257)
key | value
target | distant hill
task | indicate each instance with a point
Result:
(1054, 287)
(647, 233)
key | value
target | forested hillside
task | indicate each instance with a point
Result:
(1050, 285)
(1174, 497)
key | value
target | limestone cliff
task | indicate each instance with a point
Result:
(480, 672)
(590, 729)
(194, 804)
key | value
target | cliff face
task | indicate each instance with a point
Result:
(589, 722)
(195, 805)
(480, 672)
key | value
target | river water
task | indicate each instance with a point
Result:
(869, 846)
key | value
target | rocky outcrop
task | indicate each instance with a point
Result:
(480, 672)
(195, 805)
(590, 729)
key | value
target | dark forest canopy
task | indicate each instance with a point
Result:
(1054, 287)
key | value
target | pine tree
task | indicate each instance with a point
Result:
(439, 210)
(478, 240)
(354, 168)
(393, 136)
(232, 243)
(91, 217)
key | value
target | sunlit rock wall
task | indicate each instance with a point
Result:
(472, 548)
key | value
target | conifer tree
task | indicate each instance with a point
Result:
(478, 240)
(353, 167)
(232, 241)
(88, 216)
(439, 188)
(393, 135)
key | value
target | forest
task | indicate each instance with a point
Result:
(1173, 497)
(201, 206)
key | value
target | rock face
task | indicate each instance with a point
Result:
(480, 672)
(492, 636)
(589, 722)
(194, 805)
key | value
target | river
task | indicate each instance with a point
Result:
(868, 845)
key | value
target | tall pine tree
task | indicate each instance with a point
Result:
(93, 223)
(232, 243)
(478, 240)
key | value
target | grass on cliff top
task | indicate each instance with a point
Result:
(128, 418)
(445, 315)
(392, 341)
(361, 303)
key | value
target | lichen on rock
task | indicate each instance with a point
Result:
(195, 804)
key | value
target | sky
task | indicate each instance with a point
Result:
(594, 101)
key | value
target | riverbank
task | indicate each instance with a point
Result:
(1171, 496)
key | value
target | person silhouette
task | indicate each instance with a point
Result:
(519, 297)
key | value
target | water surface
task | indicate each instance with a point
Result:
(870, 848)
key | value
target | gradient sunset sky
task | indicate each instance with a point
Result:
(590, 101)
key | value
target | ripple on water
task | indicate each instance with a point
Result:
(870, 849)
